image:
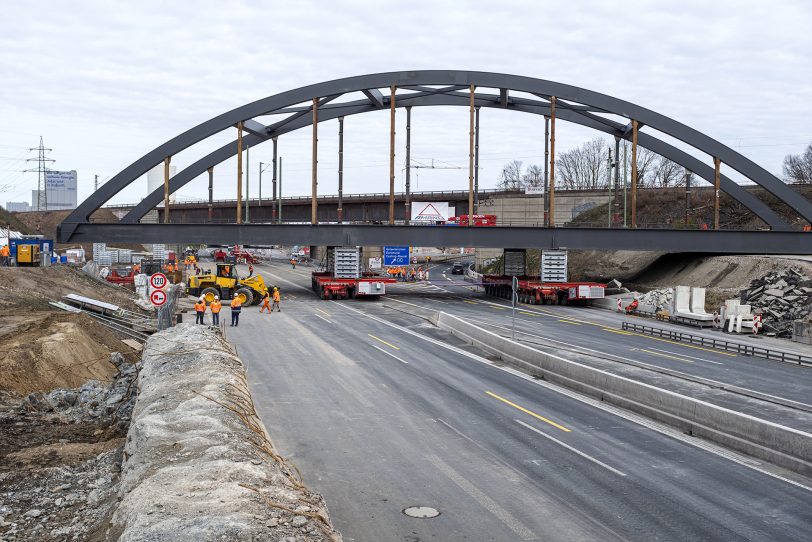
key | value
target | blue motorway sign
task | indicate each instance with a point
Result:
(396, 255)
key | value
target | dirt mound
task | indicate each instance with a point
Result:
(43, 351)
(27, 287)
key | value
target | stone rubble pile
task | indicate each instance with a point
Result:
(782, 297)
(660, 298)
(62, 481)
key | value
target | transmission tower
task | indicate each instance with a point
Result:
(42, 186)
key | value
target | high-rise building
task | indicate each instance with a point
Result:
(17, 206)
(60, 191)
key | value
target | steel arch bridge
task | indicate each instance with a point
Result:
(309, 105)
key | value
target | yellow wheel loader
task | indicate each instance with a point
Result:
(227, 285)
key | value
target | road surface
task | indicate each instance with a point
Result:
(384, 413)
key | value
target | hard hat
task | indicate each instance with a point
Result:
(275, 288)
(217, 298)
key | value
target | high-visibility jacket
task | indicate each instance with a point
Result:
(216, 306)
(4, 251)
(236, 304)
(276, 297)
(200, 306)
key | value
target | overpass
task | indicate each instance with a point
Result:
(308, 106)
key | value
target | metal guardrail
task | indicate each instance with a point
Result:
(721, 344)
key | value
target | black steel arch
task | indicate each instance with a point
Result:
(585, 104)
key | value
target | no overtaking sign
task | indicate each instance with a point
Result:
(158, 297)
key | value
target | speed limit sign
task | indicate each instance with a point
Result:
(158, 281)
(158, 297)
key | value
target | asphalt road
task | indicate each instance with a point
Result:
(382, 413)
(599, 332)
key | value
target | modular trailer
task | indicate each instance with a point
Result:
(531, 290)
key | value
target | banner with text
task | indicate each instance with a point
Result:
(429, 211)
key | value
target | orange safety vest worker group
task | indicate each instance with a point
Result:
(200, 310)
(215, 311)
(276, 299)
(236, 308)
(266, 303)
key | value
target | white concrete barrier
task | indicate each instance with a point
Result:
(784, 446)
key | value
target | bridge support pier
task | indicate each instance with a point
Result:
(471, 115)
(476, 162)
(392, 154)
(273, 182)
(211, 193)
(408, 202)
(239, 172)
(717, 163)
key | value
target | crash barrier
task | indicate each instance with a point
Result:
(721, 344)
(784, 446)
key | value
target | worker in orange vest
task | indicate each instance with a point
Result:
(276, 299)
(266, 303)
(236, 308)
(4, 255)
(215, 311)
(200, 310)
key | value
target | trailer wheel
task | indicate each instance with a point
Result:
(351, 293)
(329, 294)
(323, 294)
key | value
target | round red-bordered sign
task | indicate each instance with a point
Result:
(158, 281)
(158, 297)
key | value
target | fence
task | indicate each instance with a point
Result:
(721, 344)
(166, 312)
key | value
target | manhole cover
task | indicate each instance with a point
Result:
(421, 512)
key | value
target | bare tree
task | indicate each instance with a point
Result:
(534, 176)
(511, 176)
(583, 167)
(665, 173)
(798, 167)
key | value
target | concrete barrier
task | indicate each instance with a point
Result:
(784, 446)
(198, 461)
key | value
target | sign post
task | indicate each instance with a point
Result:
(158, 297)
(395, 255)
(513, 299)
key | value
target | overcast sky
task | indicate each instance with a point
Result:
(103, 85)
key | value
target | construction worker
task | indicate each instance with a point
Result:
(419, 273)
(200, 310)
(276, 298)
(250, 270)
(412, 274)
(4, 255)
(293, 263)
(236, 308)
(215, 311)
(266, 303)
(137, 269)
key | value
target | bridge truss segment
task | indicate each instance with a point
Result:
(438, 88)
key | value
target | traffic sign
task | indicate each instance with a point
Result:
(158, 297)
(158, 281)
(396, 255)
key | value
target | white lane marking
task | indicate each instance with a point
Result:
(684, 355)
(661, 428)
(389, 354)
(412, 304)
(570, 448)
(486, 502)
(323, 318)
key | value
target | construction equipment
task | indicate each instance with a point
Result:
(28, 255)
(225, 284)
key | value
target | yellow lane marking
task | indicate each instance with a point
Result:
(653, 353)
(569, 322)
(528, 313)
(383, 341)
(619, 332)
(497, 307)
(470, 302)
(323, 312)
(537, 416)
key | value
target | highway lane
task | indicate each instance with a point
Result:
(586, 328)
(379, 419)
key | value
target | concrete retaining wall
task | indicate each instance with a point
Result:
(802, 332)
(781, 445)
(198, 462)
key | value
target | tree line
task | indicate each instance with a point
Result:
(588, 167)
